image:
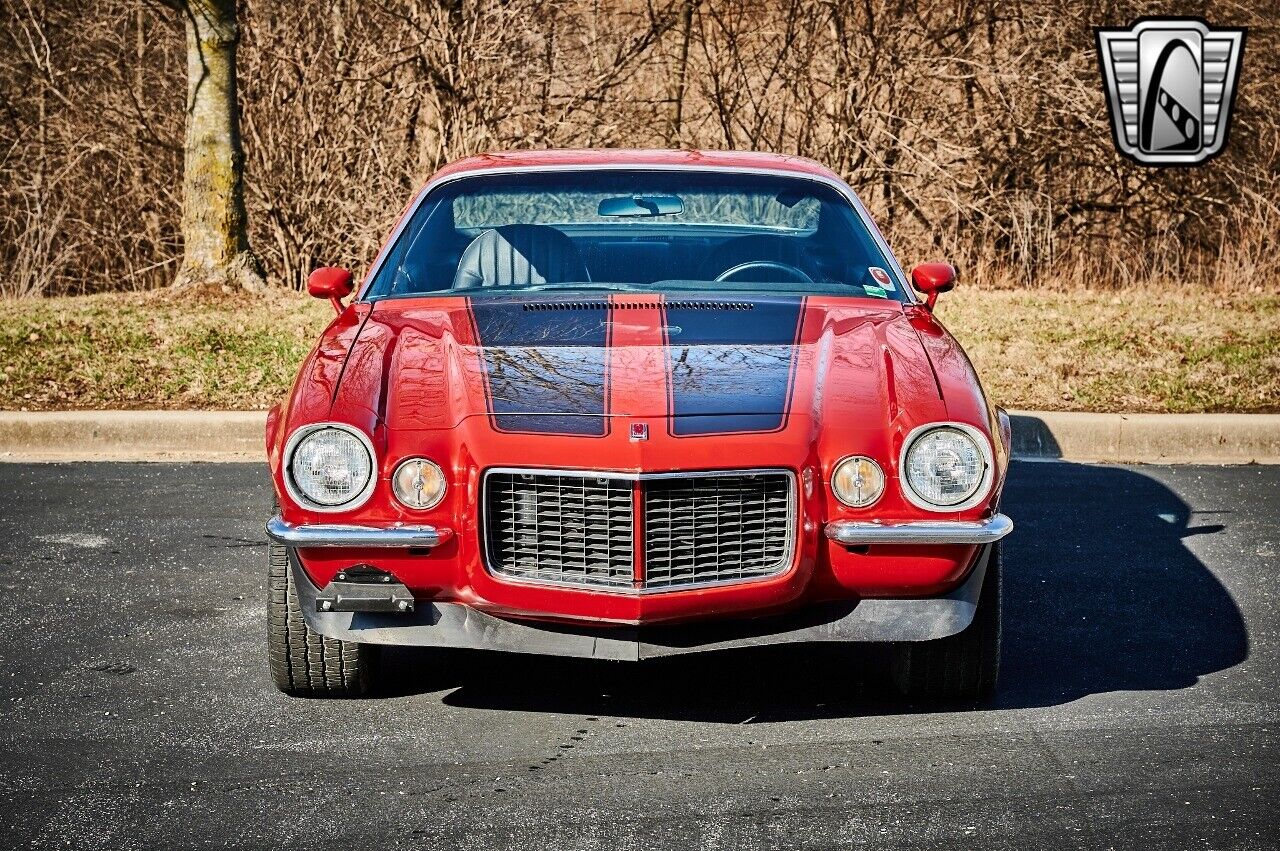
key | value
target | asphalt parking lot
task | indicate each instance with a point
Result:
(1139, 704)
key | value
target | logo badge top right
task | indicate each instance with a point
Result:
(1170, 85)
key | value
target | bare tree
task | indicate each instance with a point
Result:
(215, 232)
(974, 130)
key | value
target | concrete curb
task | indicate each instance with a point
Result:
(1147, 438)
(1037, 435)
(133, 436)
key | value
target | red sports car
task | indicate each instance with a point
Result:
(626, 404)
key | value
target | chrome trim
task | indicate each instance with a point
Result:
(296, 494)
(786, 565)
(861, 532)
(834, 182)
(988, 473)
(354, 535)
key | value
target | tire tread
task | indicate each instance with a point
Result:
(964, 666)
(303, 662)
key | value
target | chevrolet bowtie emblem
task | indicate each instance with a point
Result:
(1170, 85)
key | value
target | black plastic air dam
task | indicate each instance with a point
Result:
(455, 625)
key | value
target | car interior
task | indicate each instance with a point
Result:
(628, 251)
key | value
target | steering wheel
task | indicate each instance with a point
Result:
(787, 269)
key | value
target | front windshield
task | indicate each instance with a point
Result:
(635, 231)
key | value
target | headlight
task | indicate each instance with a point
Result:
(418, 483)
(857, 481)
(946, 467)
(330, 467)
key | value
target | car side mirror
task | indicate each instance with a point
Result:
(933, 279)
(331, 282)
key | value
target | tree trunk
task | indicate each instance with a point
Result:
(677, 105)
(214, 225)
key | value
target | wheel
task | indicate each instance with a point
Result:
(963, 666)
(305, 663)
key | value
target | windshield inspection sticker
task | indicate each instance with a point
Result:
(875, 291)
(882, 278)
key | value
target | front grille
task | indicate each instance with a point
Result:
(716, 528)
(579, 528)
(560, 528)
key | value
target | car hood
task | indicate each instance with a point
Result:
(707, 366)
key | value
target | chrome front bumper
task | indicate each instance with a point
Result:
(857, 532)
(846, 532)
(350, 535)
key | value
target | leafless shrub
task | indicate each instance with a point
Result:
(91, 95)
(975, 131)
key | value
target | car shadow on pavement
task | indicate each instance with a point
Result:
(1101, 595)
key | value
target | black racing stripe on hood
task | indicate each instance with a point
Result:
(731, 373)
(546, 372)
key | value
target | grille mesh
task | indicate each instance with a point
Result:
(579, 529)
(569, 529)
(716, 528)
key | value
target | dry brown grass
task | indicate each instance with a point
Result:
(1181, 350)
(153, 351)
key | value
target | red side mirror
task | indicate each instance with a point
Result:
(330, 282)
(933, 279)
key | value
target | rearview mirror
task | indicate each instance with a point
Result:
(932, 279)
(641, 206)
(331, 282)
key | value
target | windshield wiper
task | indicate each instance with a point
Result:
(600, 287)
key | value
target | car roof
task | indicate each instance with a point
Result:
(614, 157)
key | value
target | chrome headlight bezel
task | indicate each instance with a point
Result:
(980, 440)
(296, 493)
(835, 471)
(419, 459)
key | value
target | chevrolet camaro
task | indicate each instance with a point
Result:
(628, 404)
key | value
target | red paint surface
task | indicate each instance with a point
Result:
(331, 282)
(932, 279)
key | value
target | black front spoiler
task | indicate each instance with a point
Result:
(433, 624)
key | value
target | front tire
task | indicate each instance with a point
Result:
(964, 666)
(305, 663)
